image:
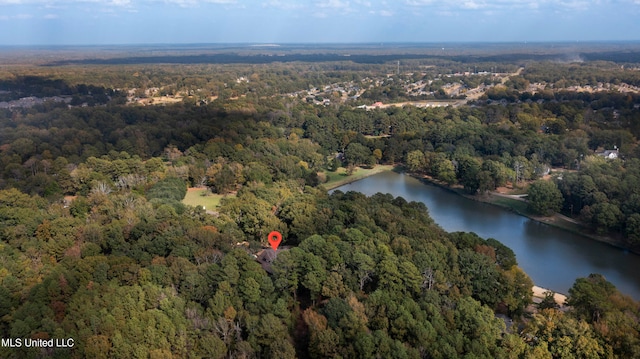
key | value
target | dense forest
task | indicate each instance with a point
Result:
(98, 245)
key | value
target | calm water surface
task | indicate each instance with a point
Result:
(552, 257)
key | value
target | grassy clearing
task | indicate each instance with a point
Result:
(339, 177)
(376, 137)
(515, 205)
(573, 227)
(521, 208)
(203, 197)
(519, 190)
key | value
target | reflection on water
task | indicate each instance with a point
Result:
(552, 257)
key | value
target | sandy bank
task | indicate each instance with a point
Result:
(538, 293)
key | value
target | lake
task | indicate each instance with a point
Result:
(552, 257)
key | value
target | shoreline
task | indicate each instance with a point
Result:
(538, 295)
(538, 291)
(356, 176)
(544, 220)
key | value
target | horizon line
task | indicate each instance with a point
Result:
(327, 43)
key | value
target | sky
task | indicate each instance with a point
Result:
(106, 22)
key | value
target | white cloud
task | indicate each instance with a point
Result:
(191, 3)
(283, 5)
(57, 3)
(385, 13)
(51, 16)
(420, 2)
(472, 5)
(332, 8)
(576, 4)
(509, 4)
(350, 4)
(368, 3)
(16, 17)
(333, 4)
(446, 13)
(125, 3)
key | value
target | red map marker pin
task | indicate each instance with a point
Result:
(274, 239)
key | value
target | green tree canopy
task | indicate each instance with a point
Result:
(544, 197)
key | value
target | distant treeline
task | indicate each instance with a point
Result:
(236, 58)
(25, 86)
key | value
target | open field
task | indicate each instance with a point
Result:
(203, 197)
(159, 100)
(422, 103)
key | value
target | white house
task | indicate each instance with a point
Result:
(609, 154)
